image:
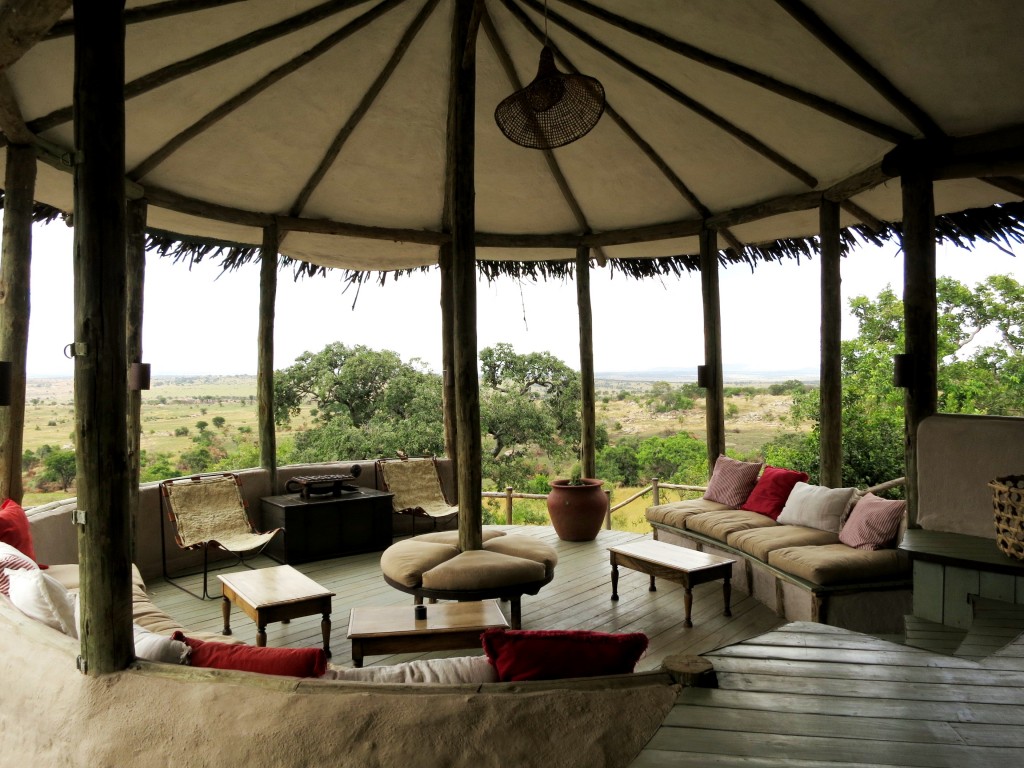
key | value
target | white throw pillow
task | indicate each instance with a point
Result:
(815, 506)
(41, 597)
(153, 647)
(451, 671)
(16, 560)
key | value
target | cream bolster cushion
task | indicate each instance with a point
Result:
(817, 507)
(153, 647)
(452, 671)
(481, 569)
(406, 561)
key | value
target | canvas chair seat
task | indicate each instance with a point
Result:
(417, 490)
(209, 511)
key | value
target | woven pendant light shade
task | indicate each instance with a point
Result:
(554, 110)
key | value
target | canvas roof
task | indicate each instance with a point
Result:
(232, 107)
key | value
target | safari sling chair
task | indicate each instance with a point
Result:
(209, 511)
(417, 492)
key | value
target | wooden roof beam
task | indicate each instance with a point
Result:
(23, 23)
(146, 13)
(813, 23)
(331, 155)
(12, 124)
(992, 154)
(208, 58)
(249, 93)
(747, 139)
(791, 92)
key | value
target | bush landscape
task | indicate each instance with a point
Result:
(359, 403)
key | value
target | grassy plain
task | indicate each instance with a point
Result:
(174, 404)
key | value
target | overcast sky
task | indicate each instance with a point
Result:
(204, 322)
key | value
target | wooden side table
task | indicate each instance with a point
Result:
(679, 564)
(276, 594)
(378, 630)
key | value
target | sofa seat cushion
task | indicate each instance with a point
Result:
(838, 564)
(527, 547)
(718, 525)
(406, 561)
(676, 512)
(479, 569)
(758, 542)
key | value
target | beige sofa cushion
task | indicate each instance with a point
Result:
(718, 525)
(528, 547)
(758, 542)
(676, 512)
(481, 569)
(406, 561)
(838, 564)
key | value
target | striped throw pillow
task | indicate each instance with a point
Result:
(873, 523)
(732, 481)
(14, 559)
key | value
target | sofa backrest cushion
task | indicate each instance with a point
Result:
(732, 481)
(772, 490)
(817, 506)
(873, 523)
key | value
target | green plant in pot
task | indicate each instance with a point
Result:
(577, 506)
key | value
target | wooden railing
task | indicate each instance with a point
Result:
(654, 489)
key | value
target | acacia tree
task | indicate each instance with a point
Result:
(981, 368)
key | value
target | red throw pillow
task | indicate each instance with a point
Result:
(772, 489)
(296, 662)
(523, 654)
(14, 528)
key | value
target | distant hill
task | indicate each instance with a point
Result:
(732, 375)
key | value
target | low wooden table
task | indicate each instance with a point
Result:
(276, 594)
(679, 564)
(378, 630)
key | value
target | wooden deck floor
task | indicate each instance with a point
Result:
(812, 695)
(578, 598)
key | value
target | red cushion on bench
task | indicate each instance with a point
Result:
(772, 489)
(523, 654)
(296, 662)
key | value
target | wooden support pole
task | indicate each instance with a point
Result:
(448, 356)
(920, 320)
(461, 193)
(101, 403)
(15, 270)
(831, 388)
(715, 395)
(265, 353)
(588, 434)
(135, 258)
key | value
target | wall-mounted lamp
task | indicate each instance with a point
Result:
(5, 382)
(702, 376)
(902, 372)
(138, 377)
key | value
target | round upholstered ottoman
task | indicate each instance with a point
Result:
(508, 567)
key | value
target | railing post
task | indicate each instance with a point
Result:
(655, 492)
(608, 512)
(508, 505)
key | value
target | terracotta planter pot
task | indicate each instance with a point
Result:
(577, 511)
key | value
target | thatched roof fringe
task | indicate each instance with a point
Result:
(41, 212)
(1001, 225)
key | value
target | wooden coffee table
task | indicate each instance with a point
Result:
(679, 564)
(378, 630)
(276, 594)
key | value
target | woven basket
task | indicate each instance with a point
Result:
(1008, 509)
